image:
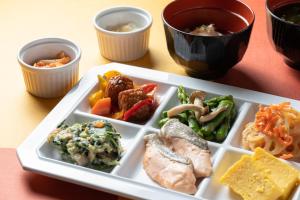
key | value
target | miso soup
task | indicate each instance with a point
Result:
(289, 13)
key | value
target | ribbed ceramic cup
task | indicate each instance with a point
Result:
(284, 36)
(49, 82)
(123, 46)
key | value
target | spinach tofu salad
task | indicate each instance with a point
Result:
(93, 144)
(210, 118)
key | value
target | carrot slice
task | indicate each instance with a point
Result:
(102, 107)
(266, 121)
(99, 124)
(286, 156)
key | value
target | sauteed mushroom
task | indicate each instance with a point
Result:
(183, 107)
(197, 98)
(211, 115)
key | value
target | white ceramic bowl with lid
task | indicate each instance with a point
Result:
(49, 82)
(123, 46)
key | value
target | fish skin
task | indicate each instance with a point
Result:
(165, 169)
(184, 142)
(175, 128)
(165, 151)
(200, 158)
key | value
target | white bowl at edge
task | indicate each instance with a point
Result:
(49, 82)
(123, 46)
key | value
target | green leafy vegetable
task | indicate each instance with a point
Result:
(87, 144)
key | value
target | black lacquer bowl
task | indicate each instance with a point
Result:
(284, 35)
(207, 57)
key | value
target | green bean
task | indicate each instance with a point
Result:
(182, 95)
(183, 117)
(193, 123)
(233, 113)
(210, 137)
(164, 114)
(210, 126)
(162, 121)
(191, 119)
(215, 130)
(214, 102)
(223, 130)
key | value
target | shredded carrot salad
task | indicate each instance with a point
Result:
(276, 121)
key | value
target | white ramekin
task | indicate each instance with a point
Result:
(49, 82)
(123, 46)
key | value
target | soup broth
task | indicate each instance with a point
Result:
(289, 13)
(189, 20)
(216, 29)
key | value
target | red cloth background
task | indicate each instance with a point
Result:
(262, 68)
(17, 184)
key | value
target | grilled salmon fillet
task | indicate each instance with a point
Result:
(167, 168)
(182, 140)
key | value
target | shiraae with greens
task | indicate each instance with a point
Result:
(93, 144)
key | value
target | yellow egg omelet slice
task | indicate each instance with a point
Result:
(248, 181)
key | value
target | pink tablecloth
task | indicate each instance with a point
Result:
(262, 68)
(17, 184)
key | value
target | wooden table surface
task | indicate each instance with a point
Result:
(261, 69)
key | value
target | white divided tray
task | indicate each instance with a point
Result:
(128, 178)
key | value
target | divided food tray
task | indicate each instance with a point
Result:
(128, 178)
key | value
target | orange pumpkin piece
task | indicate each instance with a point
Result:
(102, 107)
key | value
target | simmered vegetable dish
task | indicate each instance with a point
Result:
(119, 98)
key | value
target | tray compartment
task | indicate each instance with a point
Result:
(239, 124)
(128, 135)
(236, 139)
(168, 96)
(213, 189)
(173, 101)
(160, 92)
(133, 169)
